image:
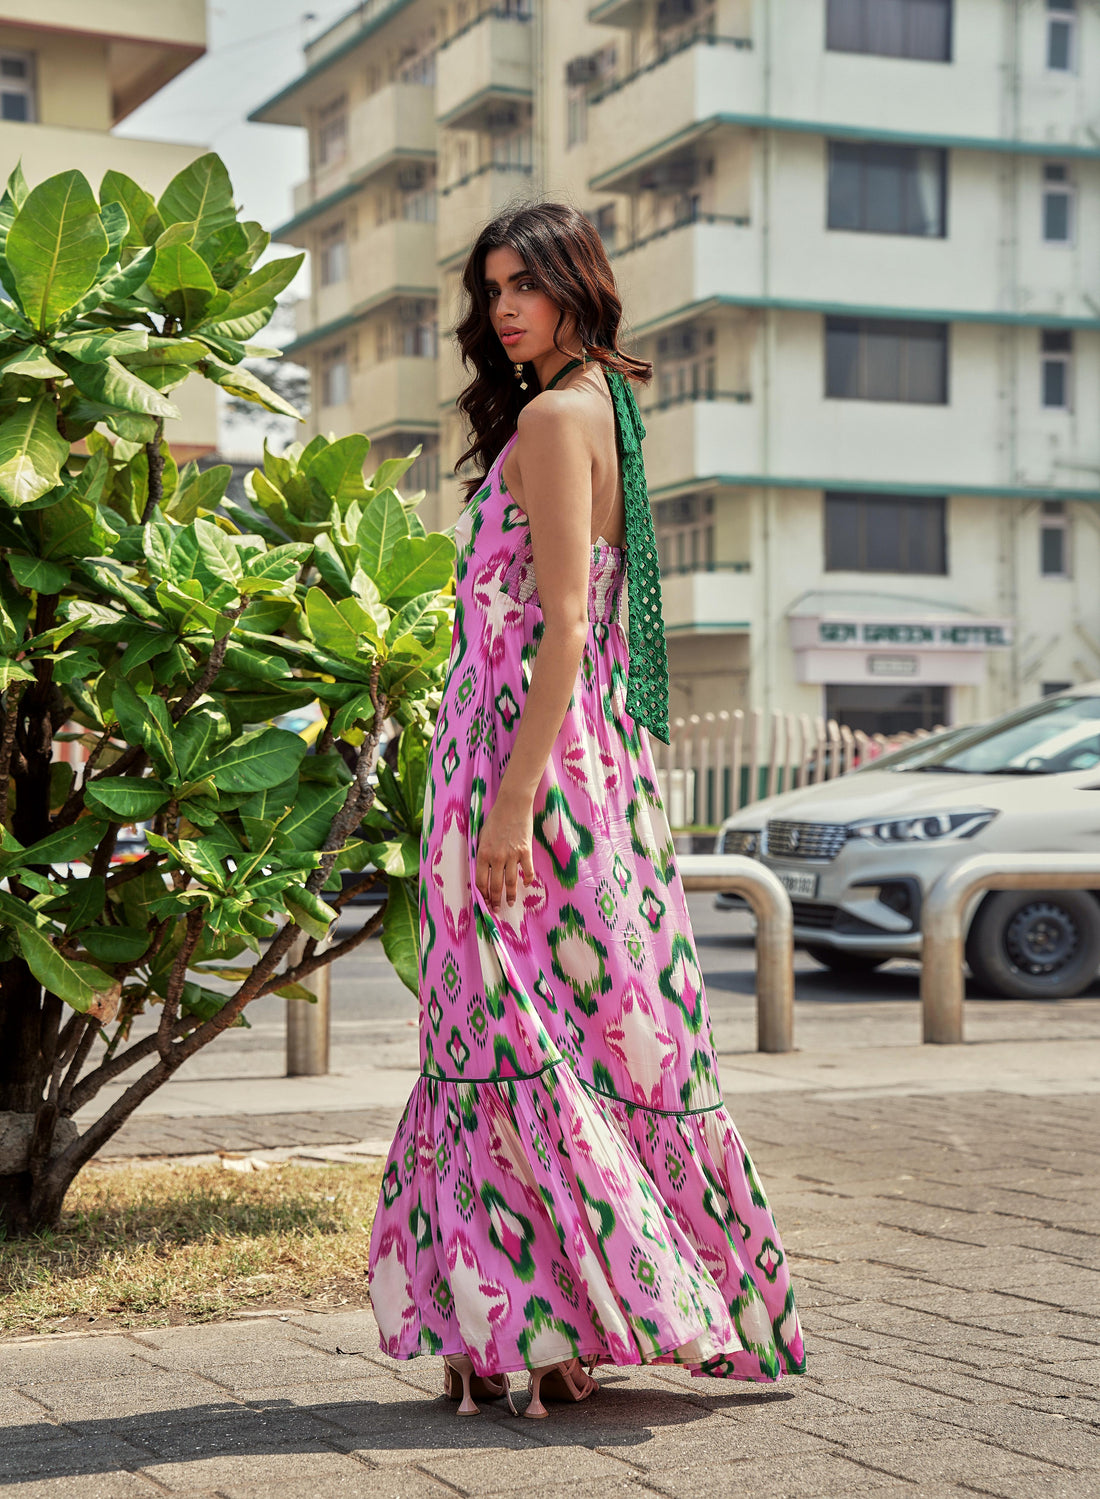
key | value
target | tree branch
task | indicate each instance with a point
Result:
(87, 1040)
(319, 960)
(176, 980)
(210, 671)
(84, 1091)
(155, 459)
(7, 744)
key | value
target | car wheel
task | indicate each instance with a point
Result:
(846, 962)
(1035, 944)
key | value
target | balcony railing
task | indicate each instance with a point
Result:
(665, 52)
(485, 65)
(741, 220)
(683, 398)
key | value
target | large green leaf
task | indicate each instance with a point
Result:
(201, 194)
(342, 628)
(259, 289)
(196, 737)
(311, 913)
(141, 210)
(92, 347)
(73, 842)
(338, 468)
(31, 451)
(257, 761)
(127, 798)
(34, 362)
(401, 932)
(37, 573)
(78, 984)
(198, 489)
(182, 280)
(116, 944)
(384, 523)
(55, 246)
(241, 382)
(112, 384)
(145, 721)
(416, 564)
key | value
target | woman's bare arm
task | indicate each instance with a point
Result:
(556, 471)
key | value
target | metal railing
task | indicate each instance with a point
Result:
(771, 906)
(942, 986)
(717, 763)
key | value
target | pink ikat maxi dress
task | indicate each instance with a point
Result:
(565, 1179)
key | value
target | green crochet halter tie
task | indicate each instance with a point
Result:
(647, 678)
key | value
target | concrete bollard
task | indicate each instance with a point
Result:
(942, 985)
(771, 906)
(307, 1025)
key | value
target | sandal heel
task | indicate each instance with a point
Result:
(459, 1363)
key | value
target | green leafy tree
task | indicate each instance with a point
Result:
(167, 630)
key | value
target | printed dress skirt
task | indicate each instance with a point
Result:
(565, 1179)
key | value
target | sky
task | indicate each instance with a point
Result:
(254, 47)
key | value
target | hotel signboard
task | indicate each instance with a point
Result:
(942, 648)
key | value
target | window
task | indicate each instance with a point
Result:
(885, 533)
(332, 132)
(878, 708)
(335, 381)
(887, 189)
(1056, 347)
(17, 93)
(420, 70)
(604, 220)
(1054, 689)
(576, 115)
(918, 29)
(873, 359)
(685, 533)
(1058, 200)
(513, 148)
(334, 254)
(1054, 540)
(416, 335)
(686, 365)
(1061, 35)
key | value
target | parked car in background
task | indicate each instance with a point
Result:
(859, 854)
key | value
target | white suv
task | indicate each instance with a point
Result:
(859, 854)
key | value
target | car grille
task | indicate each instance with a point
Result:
(808, 914)
(806, 840)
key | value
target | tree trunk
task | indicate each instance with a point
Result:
(16, 1219)
(22, 1064)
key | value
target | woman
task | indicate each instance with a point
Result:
(565, 1184)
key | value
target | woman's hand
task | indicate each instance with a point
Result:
(504, 850)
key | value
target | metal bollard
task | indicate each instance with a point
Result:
(307, 1025)
(774, 936)
(942, 987)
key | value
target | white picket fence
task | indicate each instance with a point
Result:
(717, 763)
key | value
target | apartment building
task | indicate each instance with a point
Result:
(69, 72)
(857, 240)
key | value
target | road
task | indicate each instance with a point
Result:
(374, 1017)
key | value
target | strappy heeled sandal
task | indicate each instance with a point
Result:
(565, 1381)
(468, 1385)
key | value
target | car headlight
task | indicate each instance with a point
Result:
(928, 828)
(740, 841)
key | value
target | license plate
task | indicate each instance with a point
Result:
(804, 885)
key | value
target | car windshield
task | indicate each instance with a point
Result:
(1058, 734)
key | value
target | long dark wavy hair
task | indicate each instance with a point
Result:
(566, 259)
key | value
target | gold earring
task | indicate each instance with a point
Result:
(518, 368)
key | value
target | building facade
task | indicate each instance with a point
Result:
(69, 72)
(857, 240)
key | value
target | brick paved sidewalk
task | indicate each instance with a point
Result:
(945, 1256)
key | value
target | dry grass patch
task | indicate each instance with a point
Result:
(149, 1245)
